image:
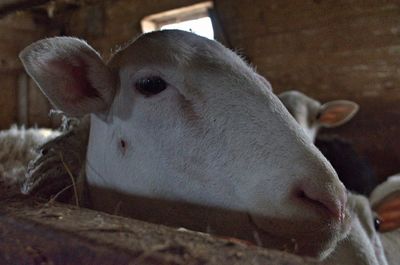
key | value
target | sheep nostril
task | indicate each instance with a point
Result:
(333, 206)
(123, 144)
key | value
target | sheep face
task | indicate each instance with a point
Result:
(184, 133)
(312, 115)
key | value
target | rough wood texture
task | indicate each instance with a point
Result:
(330, 50)
(38, 233)
(38, 107)
(16, 32)
(10, 6)
(8, 99)
(34, 231)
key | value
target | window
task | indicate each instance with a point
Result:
(193, 18)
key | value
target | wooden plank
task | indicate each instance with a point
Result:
(22, 99)
(357, 74)
(343, 36)
(287, 15)
(10, 6)
(39, 107)
(8, 100)
(34, 233)
(17, 32)
(25, 21)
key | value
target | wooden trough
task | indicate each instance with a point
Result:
(37, 232)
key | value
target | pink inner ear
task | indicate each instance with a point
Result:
(335, 114)
(76, 83)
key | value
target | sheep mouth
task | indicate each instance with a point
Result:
(300, 242)
(260, 233)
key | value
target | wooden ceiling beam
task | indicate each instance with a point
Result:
(11, 6)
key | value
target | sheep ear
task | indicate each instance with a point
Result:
(389, 213)
(337, 112)
(71, 74)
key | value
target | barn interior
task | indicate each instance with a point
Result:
(327, 49)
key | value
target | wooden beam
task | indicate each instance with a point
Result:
(10, 6)
(22, 99)
(33, 232)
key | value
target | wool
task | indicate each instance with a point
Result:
(18, 146)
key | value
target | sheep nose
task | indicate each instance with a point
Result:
(330, 201)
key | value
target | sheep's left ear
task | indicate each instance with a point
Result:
(71, 74)
(337, 112)
(389, 213)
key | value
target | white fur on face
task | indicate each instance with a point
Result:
(216, 138)
(304, 110)
(363, 245)
(311, 115)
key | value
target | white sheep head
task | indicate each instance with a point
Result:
(312, 115)
(183, 132)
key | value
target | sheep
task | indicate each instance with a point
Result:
(353, 170)
(17, 147)
(391, 185)
(364, 245)
(385, 200)
(183, 132)
(312, 115)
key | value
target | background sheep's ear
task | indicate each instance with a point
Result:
(385, 201)
(337, 112)
(389, 213)
(71, 74)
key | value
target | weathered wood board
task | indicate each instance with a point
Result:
(33, 232)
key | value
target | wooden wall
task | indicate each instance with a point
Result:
(330, 50)
(344, 49)
(17, 31)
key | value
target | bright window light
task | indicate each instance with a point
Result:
(201, 26)
(194, 18)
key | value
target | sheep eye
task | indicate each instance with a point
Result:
(149, 86)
